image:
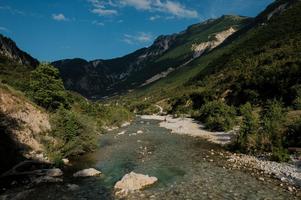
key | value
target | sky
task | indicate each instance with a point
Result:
(101, 29)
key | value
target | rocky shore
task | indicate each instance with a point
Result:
(288, 173)
(188, 126)
(285, 172)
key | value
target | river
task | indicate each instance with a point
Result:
(186, 167)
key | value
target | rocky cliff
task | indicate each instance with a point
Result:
(23, 126)
(9, 49)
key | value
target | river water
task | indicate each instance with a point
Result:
(187, 168)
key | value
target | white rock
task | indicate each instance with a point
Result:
(283, 179)
(132, 182)
(54, 172)
(87, 173)
(139, 132)
(121, 133)
(125, 124)
(66, 161)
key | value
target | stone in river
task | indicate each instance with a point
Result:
(54, 172)
(87, 173)
(132, 182)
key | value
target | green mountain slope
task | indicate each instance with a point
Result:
(267, 43)
(252, 80)
(106, 77)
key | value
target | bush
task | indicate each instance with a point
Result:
(273, 119)
(75, 133)
(248, 132)
(143, 107)
(180, 105)
(293, 137)
(217, 116)
(46, 88)
(280, 155)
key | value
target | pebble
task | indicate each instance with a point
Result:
(261, 179)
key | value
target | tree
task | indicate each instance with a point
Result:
(46, 88)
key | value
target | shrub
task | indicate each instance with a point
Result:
(75, 133)
(46, 88)
(293, 137)
(248, 132)
(217, 116)
(280, 155)
(273, 119)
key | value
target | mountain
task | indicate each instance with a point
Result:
(251, 81)
(268, 42)
(9, 49)
(106, 77)
(15, 64)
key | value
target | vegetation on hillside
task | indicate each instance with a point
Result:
(257, 73)
(76, 122)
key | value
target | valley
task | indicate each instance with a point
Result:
(211, 112)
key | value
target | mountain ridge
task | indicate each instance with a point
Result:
(101, 77)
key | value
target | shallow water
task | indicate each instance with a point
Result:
(185, 167)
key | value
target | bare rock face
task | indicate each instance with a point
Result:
(25, 122)
(132, 182)
(217, 39)
(87, 173)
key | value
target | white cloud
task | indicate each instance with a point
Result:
(12, 10)
(138, 4)
(155, 17)
(98, 23)
(176, 9)
(168, 7)
(100, 8)
(104, 12)
(139, 38)
(4, 29)
(59, 17)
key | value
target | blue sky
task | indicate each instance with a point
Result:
(56, 29)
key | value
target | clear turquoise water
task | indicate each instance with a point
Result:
(180, 163)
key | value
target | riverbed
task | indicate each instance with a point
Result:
(186, 167)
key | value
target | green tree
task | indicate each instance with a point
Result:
(46, 88)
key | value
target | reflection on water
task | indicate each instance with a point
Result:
(177, 161)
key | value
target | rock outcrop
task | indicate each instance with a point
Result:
(215, 41)
(132, 182)
(23, 125)
(9, 49)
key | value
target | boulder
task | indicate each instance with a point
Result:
(132, 182)
(87, 173)
(54, 172)
(66, 161)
